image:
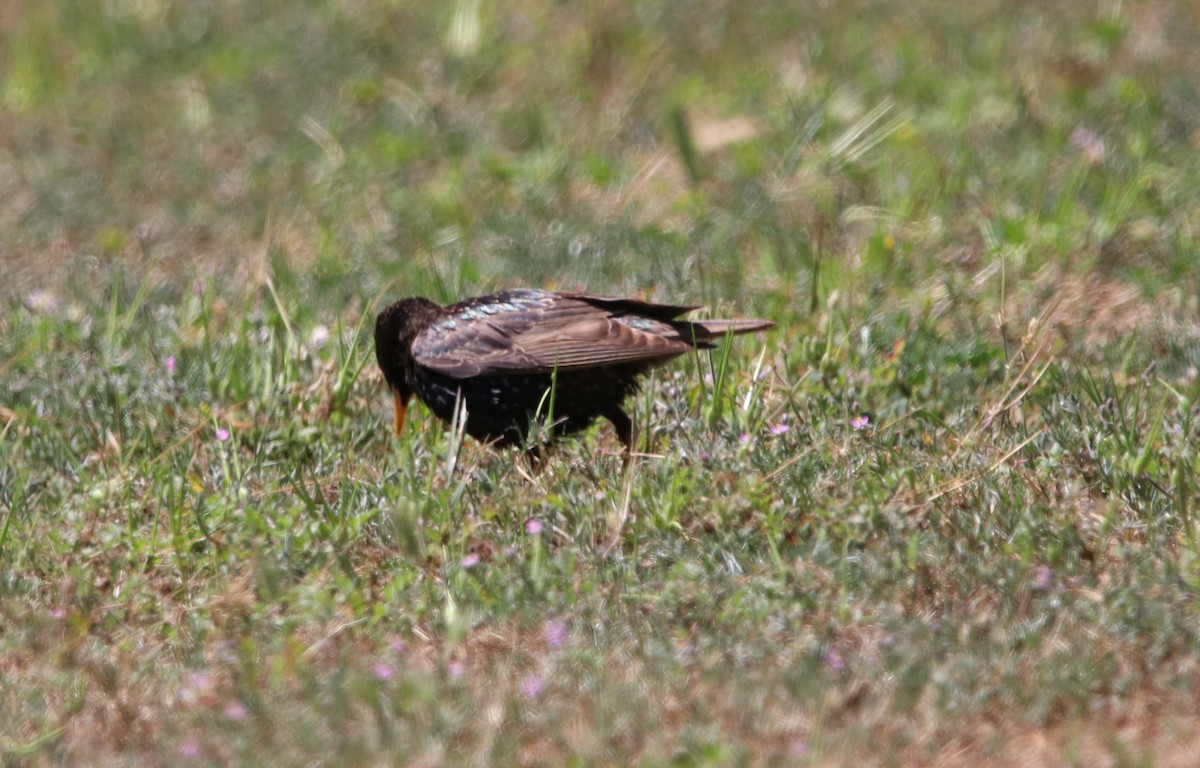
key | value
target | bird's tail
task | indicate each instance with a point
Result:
(704, 330)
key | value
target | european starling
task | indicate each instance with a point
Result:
(502, 354)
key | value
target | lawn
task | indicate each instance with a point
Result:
(942, 514)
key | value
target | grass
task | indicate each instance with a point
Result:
(945, 513)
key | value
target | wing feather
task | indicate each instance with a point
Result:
(546, 331)
(529, 331)
(600, 340)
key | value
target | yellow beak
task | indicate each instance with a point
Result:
(401, 409)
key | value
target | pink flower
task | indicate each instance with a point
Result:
(170, 364)
(470, 561)
(456, 668)
(41, 301)
(222, 434)
(779, 428)
(533, 526)
(859, 422)
(189, 748)
(236, 711)
(531, 687)
(382, 671)
(744, 438)
(833, 659)
(198, 684)
(1088, 144)
(318, 337)
(202, 680)
(1043, 577)
(554, 633)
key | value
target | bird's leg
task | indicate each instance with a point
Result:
(536, 455)
(624, 426)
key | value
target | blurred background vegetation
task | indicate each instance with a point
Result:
(700, 149)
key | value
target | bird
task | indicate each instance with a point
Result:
(521, 357)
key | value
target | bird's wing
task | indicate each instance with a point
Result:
(599, 340)
(538, 332)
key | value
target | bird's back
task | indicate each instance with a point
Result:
(533, 331)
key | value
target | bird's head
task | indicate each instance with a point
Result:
(395, 329)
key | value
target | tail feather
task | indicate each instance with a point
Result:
(712, 329)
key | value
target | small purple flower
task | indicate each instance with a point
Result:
(222, 434)
(1042, 578)
(396, 646)
(531, 687)
(318, 336)
(859, 422)
(764, 373)
(236, 711)
(779, 428)
(41, 301)
(470, 561)
(188, 748)
(708, 379)
(1088, 144)
(58, 613)
(533, 526)
(196, 688)
(170, 364)
(744, 438)
(705, 456)
(555, 633)
(382, 671)
(456, 668)
(833, 659)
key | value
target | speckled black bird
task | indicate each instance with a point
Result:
(502, 353)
